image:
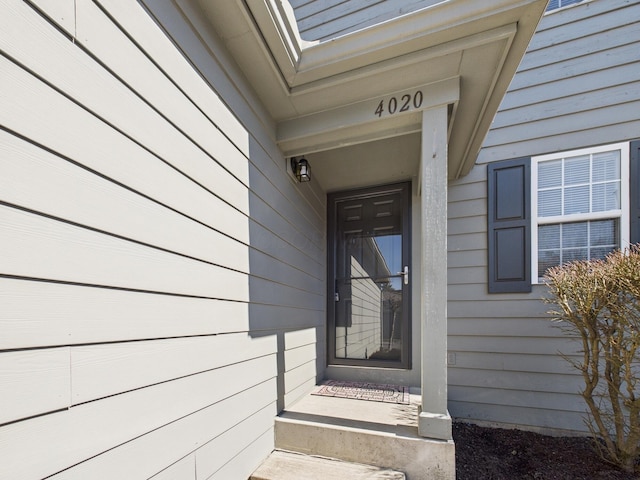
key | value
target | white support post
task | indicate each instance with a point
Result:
(434, 420)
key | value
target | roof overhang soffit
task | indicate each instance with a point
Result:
(324, 95)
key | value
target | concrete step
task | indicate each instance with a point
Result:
(282, 465)
(362, 432)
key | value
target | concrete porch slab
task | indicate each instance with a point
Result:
(371, 433)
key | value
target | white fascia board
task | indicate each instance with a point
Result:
(355, 135)
(429, 53)
(305, 73)
(302, 62)
(358, 121)
(475, 140)
(276, 22)
(390, 35)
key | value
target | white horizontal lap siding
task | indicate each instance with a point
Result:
(32, 448)
(283, 225)
(286, 236)
(233, 451)
(37, 112)
(207, 72)
(62, 12)
(300, 363)
(266, 266)
(102, 370)
(283, 228)
(576, 86)
(106, 41)
(32, 382)
(243, 464)
(301, 250)
(37, 45)
(133, 20)
(200, 433)
(152, 250)
(298, 376)
(267, 291)
(73, 314)
(311, 248)
(34, 246)
(42, 182)
(183, 468)
(278, 214)
(265, 317)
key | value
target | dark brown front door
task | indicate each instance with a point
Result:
(369, 302)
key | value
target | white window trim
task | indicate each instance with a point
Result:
(622, 214)
(558, 9)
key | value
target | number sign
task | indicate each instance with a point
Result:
(399, 104)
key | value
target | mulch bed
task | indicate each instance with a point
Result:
(499, 454)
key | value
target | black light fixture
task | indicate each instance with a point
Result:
(301, 169)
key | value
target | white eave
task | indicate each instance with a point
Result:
(322, 94)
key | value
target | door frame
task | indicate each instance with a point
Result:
(404, 188)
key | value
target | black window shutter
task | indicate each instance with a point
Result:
(634, 191)
(509, 225)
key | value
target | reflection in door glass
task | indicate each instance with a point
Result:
(369, 324)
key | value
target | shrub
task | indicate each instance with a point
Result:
(598, 302)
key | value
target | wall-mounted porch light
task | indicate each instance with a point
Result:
(301, 169)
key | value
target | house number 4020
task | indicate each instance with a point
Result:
(399, 104)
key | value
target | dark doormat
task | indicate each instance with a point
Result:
(372, 392)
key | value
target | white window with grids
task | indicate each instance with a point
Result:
(580, 205)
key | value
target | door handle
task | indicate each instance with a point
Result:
(405, 274)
